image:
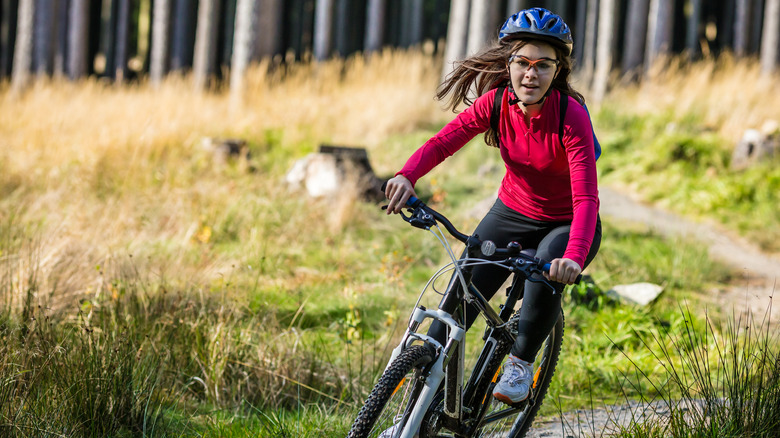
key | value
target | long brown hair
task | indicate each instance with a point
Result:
(488, 70)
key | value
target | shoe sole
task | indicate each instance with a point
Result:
(505, 399)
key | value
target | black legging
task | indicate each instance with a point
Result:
(540, 308)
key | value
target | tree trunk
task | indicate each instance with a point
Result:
(45, 30)
(375, 27)
(144, 53)
(414, 15)
(323, 29)
(741, 27)
(23, 49)
(560, 7)
(514, 6)
(457, 34)
(635, 34)
(403, 23)
(78, 39)
(341, 28)
(228, 32)
(108, 37)
(756, 25)
(60, 37)
(589, 51)
(693, 30)
(578, 32)
(269, 26)
(160, 40)
(183, 37)
(659, 30)
(482, 25)
(122, 39)
(769, 37)
(243, 45)
(438, 29)
(726, 25)
(606, 35)
(206, 33)
(8, 13)
(95, 35)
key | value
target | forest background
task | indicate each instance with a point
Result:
(149, 289)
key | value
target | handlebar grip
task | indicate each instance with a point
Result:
(411, 202)
(546, 268)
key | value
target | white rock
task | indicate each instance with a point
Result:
(324, 178)
(319, 174)
(637, 293)
(329, 174)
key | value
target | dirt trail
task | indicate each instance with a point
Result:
(761, 272)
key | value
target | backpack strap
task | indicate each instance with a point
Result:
(564, 105)
(562, 111)
(495, 115)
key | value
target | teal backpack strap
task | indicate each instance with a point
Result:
(596, 145)
(564, 105)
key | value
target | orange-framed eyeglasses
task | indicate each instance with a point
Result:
(542, 65)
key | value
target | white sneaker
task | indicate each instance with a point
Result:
(515, 383)
(391, 432)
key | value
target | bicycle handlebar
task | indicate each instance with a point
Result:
(422, 216)
(414, 202)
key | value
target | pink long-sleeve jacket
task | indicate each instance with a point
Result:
(543, 180)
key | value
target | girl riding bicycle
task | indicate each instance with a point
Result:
(548, 198)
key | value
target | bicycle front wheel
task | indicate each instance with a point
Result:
(393, 397)
(504, 421)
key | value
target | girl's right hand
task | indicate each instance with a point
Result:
(398, 191)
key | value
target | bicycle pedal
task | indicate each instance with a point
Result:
(519, 405)
(522, 404)
(529, 402)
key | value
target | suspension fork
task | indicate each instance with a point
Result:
(453, 378)
(436, 372)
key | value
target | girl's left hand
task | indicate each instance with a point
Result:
(563, 271)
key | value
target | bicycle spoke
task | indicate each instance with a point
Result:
(396, 410)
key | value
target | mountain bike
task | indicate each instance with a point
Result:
(421, 392)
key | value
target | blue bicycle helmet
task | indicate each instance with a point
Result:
(539, 23)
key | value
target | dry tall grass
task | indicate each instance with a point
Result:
(94, 168)
(100, 169)
(730, 94)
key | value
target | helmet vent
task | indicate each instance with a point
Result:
(540, 23)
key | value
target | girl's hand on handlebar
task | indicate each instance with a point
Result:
(398, 191)
(563, 271)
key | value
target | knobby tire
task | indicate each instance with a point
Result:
(524, 418)
(405, 366)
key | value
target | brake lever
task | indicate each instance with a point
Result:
(542, 280)
(407, 218)
(419, 218)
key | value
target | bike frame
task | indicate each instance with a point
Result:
(457, 413)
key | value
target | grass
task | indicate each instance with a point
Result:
(146, 289)
(723, 380)
(674, 147)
